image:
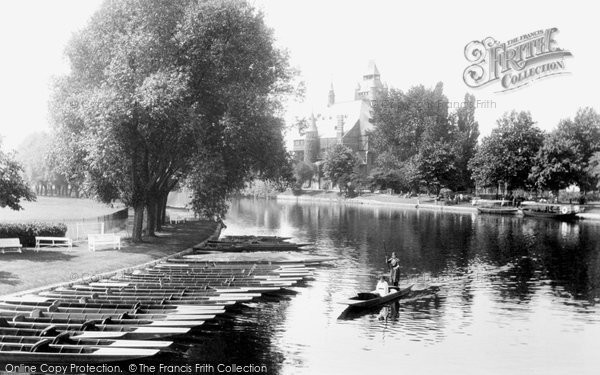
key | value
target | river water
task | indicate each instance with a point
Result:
(518, 295)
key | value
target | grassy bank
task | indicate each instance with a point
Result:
(19, 272)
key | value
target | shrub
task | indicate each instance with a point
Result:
(26, 232)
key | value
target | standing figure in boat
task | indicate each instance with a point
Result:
(394, 264)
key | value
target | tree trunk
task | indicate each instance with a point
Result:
(151, 220)
(138, 219)
(158, 213)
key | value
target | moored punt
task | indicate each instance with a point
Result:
(45, 351)
(549, 210)
(136, 307)
(171, 299)
(498, 210)
(66, 314)
(217, 288)
(370, 299)
(91, 329)
(68, 338)
(51, 318)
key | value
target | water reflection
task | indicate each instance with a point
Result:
(511, 286)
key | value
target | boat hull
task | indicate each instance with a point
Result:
(357, 302)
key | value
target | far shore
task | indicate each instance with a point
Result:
(391, 200)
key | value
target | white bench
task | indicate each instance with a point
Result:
(176, 219)
(104, 239)
(53, 241)
(10, 244)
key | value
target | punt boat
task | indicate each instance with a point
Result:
(370, 299)
(93, 330)
(45, 352)
(69, 338)
(563, 212)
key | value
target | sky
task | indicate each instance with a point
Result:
(329, 41)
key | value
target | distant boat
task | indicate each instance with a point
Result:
(551, 210)
(370, 299)
(498, 207)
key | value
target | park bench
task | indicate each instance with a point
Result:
(176, 219)
(10, 244)
(94, 240)
(53, 241)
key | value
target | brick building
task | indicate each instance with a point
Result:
(343, 122)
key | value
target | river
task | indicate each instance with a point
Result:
(518, 295)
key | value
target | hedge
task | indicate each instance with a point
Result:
(26, 232)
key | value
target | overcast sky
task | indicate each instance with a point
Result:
(332, 41)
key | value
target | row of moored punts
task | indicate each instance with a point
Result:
(138, 314)
(250, 243)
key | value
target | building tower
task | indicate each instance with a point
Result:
(371, 84)
(331, 98)
(311, 142)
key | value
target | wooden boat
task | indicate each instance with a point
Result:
(255, 238)
(50, 303)
(498, 210)
(80, 319)
(371, 299)
(68, 338)
(127, 332)
(67, 314)
(551, 210)
(44, 351)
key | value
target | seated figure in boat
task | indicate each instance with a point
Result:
(382, 288)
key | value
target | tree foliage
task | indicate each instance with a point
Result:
(162, 91)
(508, 154)
(13, 188)
(557, 164)
(338, 165)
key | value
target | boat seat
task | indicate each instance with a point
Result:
(35, 313)
(42, 345)
(18, 318)
(125, 316)
(107, 320)
(53, 307)
(90, 325)
(62, 338)
(49, 331)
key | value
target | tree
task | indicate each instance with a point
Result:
(583, 131)
(508, 154)
(435, 163)
(12, 186)
(339, 164)
(467, 133)
(557, 164)
(303, 172)
(158, 89)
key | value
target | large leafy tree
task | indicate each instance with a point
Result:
(158, 89)
(557, 165)
(13, 188)
(339, 163)
(584, 132)
(508, 154)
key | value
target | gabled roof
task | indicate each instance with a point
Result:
(353, 112)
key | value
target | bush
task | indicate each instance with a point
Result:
(26, 232)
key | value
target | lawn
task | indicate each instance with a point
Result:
(57, 209)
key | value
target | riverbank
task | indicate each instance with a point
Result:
(427, 203)
(592, 212)
(50, 266)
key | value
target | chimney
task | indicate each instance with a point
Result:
(340, 128)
